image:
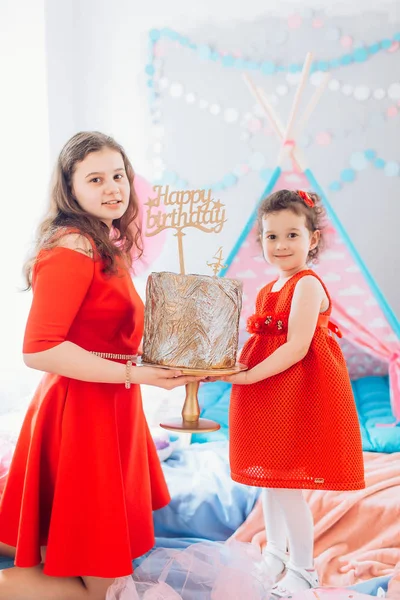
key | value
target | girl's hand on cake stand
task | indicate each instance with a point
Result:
(168, 379)
(242, 378)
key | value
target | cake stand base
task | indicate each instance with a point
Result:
(199, 426)
(191, 421)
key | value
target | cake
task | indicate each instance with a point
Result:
(191, 321)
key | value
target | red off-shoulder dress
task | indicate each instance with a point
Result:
(85, 475)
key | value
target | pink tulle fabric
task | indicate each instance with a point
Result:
(330, 594)
(234, 571)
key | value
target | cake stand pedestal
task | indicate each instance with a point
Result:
(190, 422)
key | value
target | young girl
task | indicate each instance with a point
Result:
(85, 475)
(293, 420)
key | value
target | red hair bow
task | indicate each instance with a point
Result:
(306, 198)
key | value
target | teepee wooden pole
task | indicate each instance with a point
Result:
(266, 106)
(302, 122)
(293, 130)
(296, 153)
(264, 103)
(295, 107)
(272, 115)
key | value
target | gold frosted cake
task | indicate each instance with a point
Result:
(191, 321)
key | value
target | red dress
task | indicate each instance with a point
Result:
(85, 474)
(299, 428)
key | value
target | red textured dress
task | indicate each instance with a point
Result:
(298, 429)
(85, 474)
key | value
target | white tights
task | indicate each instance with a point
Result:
(289, 522)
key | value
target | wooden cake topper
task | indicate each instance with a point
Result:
(184, 208)
(218, 265)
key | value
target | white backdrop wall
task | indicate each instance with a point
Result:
(97, 51)
(24, 168)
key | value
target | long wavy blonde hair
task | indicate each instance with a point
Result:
(64, 211)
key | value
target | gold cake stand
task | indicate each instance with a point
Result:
(191, 421)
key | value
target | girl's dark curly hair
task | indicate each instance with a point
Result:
(291, 200)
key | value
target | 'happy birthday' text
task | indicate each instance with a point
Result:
(192, 208)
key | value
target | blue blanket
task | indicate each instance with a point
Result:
(373, 405)
(206, 503)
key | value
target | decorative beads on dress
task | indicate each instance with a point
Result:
(268, 324)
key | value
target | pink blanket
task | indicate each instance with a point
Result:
(357, 534)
